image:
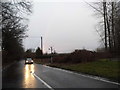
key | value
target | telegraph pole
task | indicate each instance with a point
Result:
(41, 45)
(51, 49)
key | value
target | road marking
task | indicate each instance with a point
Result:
(43, 81)
(88, 76)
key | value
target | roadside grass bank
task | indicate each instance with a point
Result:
(105, 68)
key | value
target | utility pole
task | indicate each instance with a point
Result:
(51, 49)
(41, 45)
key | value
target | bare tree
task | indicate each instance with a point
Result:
(105, 27)
(109, 12)
(13, 28)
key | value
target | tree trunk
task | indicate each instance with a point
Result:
(105, 28)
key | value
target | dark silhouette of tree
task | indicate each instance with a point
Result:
(38, 53)
(117, 30)
(29, 54)
(29, 51)
(13, 28)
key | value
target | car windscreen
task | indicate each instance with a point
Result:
(29, 59)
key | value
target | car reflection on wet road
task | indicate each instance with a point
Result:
(20, 75)
(29, 79)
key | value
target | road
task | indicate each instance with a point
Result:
(20, 75)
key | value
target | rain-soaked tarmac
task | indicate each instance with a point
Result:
(21, 75)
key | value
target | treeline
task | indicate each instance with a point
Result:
(13, 28)
(36, 54)
(79, 56)
(109, 26)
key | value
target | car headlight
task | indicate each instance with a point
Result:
(26, 61)
(31, 60)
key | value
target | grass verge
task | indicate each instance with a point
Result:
(104, 68)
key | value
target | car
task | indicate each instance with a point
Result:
(29, 61)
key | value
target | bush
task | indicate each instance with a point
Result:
(75, 57)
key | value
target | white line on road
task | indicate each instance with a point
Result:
(88, 76)
(43, 81)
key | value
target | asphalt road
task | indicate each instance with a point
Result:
(34, 75)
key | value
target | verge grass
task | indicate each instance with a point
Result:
(104, 68)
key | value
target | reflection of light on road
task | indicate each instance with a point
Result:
(29, 68)
(26, 67)
(29, 80)
(26, 72)
(32, 68)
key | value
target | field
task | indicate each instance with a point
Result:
(103, 68)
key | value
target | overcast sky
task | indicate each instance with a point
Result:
(65, 25)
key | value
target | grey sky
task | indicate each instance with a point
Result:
(66, 25)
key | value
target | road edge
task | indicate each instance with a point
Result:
(85, 75)
(8, 66)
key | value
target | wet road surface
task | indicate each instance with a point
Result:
(34, 75)
(20, 75)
